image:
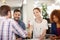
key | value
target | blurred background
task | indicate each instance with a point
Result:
(26, 7)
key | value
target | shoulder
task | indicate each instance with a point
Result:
(45, 24)
(11, 20)
(53, 24)
(44, 20)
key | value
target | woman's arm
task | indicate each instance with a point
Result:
(30, 30)
(43, 34)
(45, 27)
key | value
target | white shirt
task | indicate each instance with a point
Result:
(38, 28)
(8, 27)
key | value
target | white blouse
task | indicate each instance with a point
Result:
(38, 28)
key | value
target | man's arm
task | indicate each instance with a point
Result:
(18, 30)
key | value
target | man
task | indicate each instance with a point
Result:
(17, 17)
(8, 26)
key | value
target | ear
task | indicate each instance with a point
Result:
(9, 12)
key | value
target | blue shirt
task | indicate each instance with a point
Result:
(22, 24)
(8, 27)
(53, 29)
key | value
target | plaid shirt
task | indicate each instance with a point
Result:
(8, 27)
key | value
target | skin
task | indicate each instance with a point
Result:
(9, 15)
(36, 13)
(37, 16)
(17, 16)
(38, 20)
(55, 19)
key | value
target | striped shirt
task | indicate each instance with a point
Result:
(8, 27)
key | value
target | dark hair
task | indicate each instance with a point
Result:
(4, 10)
(56, 13)
(16, 10)
(37, 9)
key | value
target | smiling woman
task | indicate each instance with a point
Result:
(38, 25)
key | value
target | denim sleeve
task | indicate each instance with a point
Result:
(53, 28)
(22, 25)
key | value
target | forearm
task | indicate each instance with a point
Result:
(17, 29)
(43, 34)
(30, 31)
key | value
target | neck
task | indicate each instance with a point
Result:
(39, 18)
(58, 25)
(6, 17)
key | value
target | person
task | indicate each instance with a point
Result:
(55, 23)
(38, 25)
(17, 17)
(8, 26)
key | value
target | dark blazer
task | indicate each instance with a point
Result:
(53, 29)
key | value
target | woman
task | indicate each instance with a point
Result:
(38, 25)
(55, 26)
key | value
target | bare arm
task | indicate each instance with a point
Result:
(45, 25)
(43, 35)
(30, 31)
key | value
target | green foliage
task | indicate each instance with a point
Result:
(44, 11)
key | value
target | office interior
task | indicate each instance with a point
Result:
(26, 7)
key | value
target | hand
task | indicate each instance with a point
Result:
(41, 37)
(52, 37)
(29, 35)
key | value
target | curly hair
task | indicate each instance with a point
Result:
(56, 13)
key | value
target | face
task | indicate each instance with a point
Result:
(55, 19)
(17, 15)
(36, 13)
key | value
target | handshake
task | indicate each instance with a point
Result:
(29, 34)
